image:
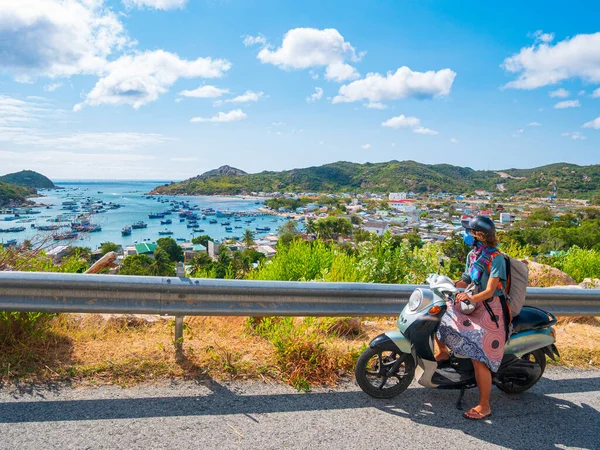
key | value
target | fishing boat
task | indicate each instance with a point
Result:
(166, 222)
(139, 225)
(12, 230)
(237, 226)
(198, 230)
(65, 236)
(182, 219)
(263, 229)
(226, 223)
(180, 239)
(156, 216)
(126, 231)
(212, 221)
(165, 233)
(228, 229)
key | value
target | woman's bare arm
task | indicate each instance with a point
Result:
(483, 295)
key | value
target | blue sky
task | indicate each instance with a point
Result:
(167, 89)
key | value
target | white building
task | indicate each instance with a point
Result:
(504, 218)
(375, 227)
(395, 196)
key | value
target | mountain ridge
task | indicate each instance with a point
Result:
(394, 176)
(29, 179)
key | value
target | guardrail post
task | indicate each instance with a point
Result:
(180, 270)
(179, 337)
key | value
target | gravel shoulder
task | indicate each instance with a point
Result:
(561, 411)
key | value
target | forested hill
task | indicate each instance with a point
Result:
(28, 179)
(11, 194)
(395, 176)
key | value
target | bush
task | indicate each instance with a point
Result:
(578, 263)
(21, 326)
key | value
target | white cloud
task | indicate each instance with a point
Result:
(321, 142)
(316, 95)
(567, 104)
(341, 72)
(57, 37)
(231, 116)
(253, 40)
(576, 136)
(543, 64)
(401, 84)
(304, 48)
(534, 124)
(185, 159)
(375, 105)
(139, 79)
(540, 36)
(596, 93)
(205, 92)
(246, 97)
(156, 4)
(402, 121)
(560, 93)
(518, 133)
(52, 87)
(595, 124)
(278, 124)
(454, 141)
(366, 146)
(582, 92)
(422, 130)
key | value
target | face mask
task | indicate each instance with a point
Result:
(468, 238)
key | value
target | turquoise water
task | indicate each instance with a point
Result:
(131, 195)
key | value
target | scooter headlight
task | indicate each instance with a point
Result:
(415, 300)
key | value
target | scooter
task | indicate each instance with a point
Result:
(387, 367)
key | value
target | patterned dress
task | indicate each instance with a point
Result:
(477, 336)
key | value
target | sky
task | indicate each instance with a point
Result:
(168, 89)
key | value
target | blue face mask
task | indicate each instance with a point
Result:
(468, 238)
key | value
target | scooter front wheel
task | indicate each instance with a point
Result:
(384, 372)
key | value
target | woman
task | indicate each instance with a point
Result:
(480, 335)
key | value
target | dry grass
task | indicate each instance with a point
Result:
(88, 349)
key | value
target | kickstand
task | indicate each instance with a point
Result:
(460, 397)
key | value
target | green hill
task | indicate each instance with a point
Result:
(11, 194)
(395, 176)
(28, 179)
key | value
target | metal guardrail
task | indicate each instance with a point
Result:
(59, 292)
(178, 296)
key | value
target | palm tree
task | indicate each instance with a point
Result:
(248, 238)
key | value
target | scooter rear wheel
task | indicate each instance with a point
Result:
(521, 385)
(374, 367)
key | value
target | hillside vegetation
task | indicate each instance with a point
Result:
(16, 194)
(393, 176)
(28, 179)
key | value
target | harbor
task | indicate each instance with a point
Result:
(89, 213)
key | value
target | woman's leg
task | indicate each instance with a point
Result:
(483, 376)
(443, 352)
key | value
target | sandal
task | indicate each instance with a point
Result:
(473, 414)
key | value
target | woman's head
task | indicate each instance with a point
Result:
(487, 239)
(483, 229)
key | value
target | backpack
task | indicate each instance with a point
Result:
(517, 279)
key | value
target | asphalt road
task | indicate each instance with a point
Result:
(562, 411)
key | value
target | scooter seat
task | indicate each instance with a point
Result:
(531, 318)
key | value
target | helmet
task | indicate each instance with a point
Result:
(480, 223)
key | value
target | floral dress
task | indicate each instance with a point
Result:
(477, 335)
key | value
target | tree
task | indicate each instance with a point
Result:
(136, 265)
(248, 238)
(169, 245)
(413, 238)
(332, 227)
(202, 240)
(360, 235)
(355, 220)
(162, 265)
(288, 227)
(109, 247)
(201, 261)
